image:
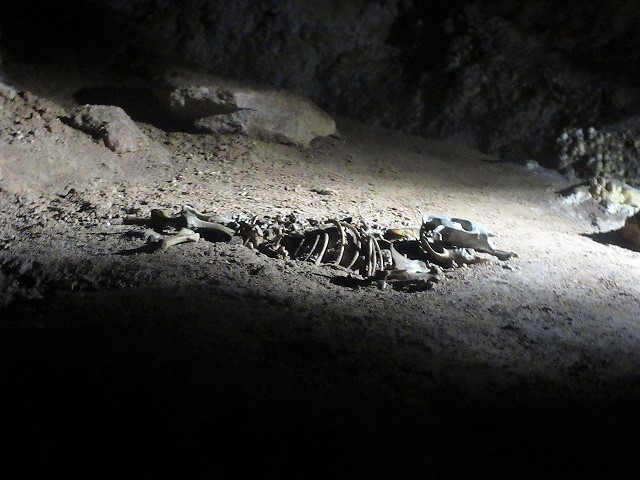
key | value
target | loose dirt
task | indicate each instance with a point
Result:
(209, 360)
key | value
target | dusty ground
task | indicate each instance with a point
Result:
(210, 361)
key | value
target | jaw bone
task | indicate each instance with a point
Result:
(457, 238)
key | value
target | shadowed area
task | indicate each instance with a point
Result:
(184, 381)
(139, 103)
(612, 237)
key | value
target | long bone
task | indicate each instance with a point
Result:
(379, 256)
(189, 218)
(205, 217)
(184, 235)
(192, 221)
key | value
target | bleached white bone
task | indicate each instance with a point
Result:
(184, 235)
(214, 218)
(450, 257)
(460, 233)
(192, 221)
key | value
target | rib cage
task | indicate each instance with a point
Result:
(337, 243)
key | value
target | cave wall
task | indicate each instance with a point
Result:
(507, 77)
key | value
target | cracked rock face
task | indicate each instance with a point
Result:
(222, 106)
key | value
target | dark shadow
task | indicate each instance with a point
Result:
(146, 248)
(612, 237)
(140, 104)
(350, 281)
(564, 192)
(193, 381)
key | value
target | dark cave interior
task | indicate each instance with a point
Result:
(506, 78)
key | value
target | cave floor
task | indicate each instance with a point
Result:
(210, 361)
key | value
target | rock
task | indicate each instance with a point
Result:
(110, 123)
(614, 192)
(631, 231)
(7, 92)
(222, 106)
(577, 195)
(600, 154)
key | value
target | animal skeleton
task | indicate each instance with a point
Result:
(407, 258)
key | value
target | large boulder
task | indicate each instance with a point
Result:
(220, 105)
(631, 231)
(7, 92)
(112, 125)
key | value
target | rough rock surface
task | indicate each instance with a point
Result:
(614, 193)
(7, 92)
(112, 124)
(223, 106)
(505, 76)
(510, 93)
(631, 231)
(600, 154)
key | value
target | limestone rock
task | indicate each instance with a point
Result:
(7, 92)
(614, 192)
(631, 231)
(600, 154)
(222, 106)
(110, 123)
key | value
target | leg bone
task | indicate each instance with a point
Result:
(184, 235)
